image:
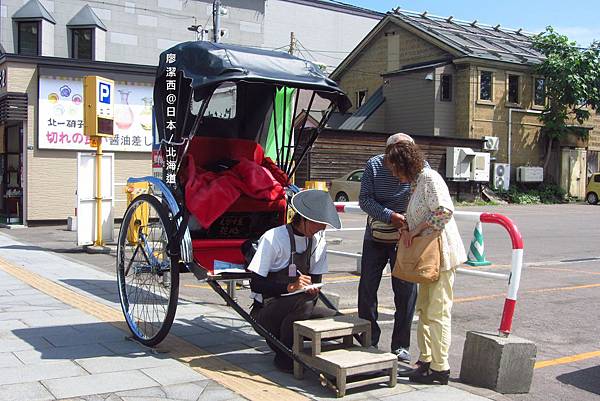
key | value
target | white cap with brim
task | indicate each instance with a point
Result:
(316, 205)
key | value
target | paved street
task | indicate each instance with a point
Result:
(557, 304)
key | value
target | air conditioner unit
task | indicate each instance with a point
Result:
(530, 174)
(501, 176)
(480, 167)
(458, 163)
(491, 143)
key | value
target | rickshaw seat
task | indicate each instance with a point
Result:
(220, 242)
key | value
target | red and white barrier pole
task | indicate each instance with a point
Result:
(514, 278)
(515, 268)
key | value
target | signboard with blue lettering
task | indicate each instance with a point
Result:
(98, 98)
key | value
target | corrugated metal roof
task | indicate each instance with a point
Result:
(32, 10)
(364, 111)
(474, 39)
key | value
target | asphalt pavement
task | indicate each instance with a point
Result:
(556, 307)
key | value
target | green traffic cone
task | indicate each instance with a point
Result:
(476, 255)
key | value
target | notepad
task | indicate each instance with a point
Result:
(304, 289)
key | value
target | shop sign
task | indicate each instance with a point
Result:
(60, 121)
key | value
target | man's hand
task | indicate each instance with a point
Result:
(301, 282)
(398, 220)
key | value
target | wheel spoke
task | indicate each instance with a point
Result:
(145, 272)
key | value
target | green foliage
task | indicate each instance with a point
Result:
(476, 202)
(544, 193)
(572, 82)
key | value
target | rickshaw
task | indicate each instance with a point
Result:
(219, 111)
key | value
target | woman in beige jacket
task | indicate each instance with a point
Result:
(430, 209)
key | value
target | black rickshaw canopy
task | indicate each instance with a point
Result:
(190, 73)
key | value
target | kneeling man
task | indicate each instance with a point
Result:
(288, 259)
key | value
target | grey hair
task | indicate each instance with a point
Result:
(398, 137)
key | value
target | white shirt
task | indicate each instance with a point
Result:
(274, 252)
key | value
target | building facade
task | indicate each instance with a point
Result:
(430, 75)
(46, 47)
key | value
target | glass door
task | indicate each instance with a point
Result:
(12, 192)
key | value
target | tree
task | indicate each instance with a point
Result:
(572, 85)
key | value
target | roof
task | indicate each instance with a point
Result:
(86, 17)
(364, 111)
(460, 39)
(418, 67)
(474, 39)
(32, 10)
(208, 64)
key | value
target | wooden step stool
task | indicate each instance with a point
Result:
(347, 361)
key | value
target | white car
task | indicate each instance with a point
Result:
(346, 188)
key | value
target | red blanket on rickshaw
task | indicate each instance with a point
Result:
(209, 194)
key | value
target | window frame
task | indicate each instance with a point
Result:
(92, 44)
(534, 105)
(492, 72)
(38, 24)
(451, 87)
(358, 92)
(519, 99)
(356, 174)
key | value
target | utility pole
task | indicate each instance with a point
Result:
(216, 21)
(292, 43)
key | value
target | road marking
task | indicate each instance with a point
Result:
(564, 270)
(250, 385)
(566, 359)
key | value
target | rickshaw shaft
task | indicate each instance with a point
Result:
(325, 382)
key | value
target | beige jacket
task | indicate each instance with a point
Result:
(431, 192)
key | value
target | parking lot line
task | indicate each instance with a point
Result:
(250, 385)
(567, 359)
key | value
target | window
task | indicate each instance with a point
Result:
(485, 86)
(82, 46)
(29, 38)
(513, 89)
(361, 96)
(539, 92)
(446, 88)
(357, 176)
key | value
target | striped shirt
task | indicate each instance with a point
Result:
(381, 193)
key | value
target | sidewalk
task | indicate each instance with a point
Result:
(62, 336)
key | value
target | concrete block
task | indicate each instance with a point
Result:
(72, 223)
(25, 392)
(98, 384)
(503, 364)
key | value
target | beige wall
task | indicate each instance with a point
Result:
(392, 48)
(53, 182)
(491, 118)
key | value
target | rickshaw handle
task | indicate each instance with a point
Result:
(325, 382)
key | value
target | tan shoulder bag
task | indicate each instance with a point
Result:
(420, 263)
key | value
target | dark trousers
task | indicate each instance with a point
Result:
(278, 315)
(375, 256)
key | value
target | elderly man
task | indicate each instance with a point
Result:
(385, 199)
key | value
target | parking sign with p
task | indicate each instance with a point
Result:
(98, 98)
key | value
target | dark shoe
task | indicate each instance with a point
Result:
(429, 376)
(284, 364)
(402, 354)
(421, 368)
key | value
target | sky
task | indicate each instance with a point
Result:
(578, 19)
